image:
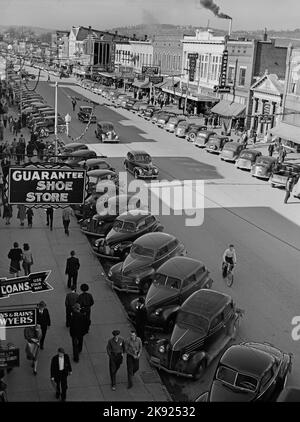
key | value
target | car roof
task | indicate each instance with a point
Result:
(154, 240)
(252, 151)
(104, 123)
(80, 152)
(136, 152)
(93, 161)
(180, 267)
(134, 215)
(100, 172)
(243, 358)
(85, 107)
(267, 157)
(74, 145)
(206, 303)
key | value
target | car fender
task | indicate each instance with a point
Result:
(124, 245)
(170, 312)
(138, 169)
(197, 358)
(159, 228)
(147, 274)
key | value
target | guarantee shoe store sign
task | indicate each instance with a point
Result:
(40, 185)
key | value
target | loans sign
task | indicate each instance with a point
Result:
(34, 283)
(40, 186)
(18, 317)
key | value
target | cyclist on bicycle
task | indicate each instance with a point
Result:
(229, 257)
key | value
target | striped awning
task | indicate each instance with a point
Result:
(287, 132)
(141, 84)
(227, 109)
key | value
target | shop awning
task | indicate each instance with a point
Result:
(287, 132)
(160, 84)
(141, 84)
(105, 74)
(228, 109)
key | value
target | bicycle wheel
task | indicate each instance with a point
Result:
(229, 279)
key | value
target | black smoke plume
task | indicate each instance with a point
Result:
(209, 4)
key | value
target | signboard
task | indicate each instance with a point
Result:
(141, 77)
(222, 89)
(34, 283)
(40, 185)
(192, 65)
(128, 75)
(9, 357)
(150, 70)
(156, 79)
(16, 317)
(223, 73)
(112, 56)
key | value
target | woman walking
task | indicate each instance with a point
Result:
(21, 214)
(15, 255)
(29, 214)
(33, 336)
(7, 212)
(27, 259)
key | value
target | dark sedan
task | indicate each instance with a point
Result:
(263, 167)
(84, 114)
(281, 174)
(139, 163)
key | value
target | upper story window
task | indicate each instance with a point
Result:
(230, 74)
(242, 76)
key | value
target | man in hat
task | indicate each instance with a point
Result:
(43, 319)
(140, 318)
(72, 267)
(60, 370)
(115, 349)
(86, 301)
(77, 331)
(70, 301)
(133, 347)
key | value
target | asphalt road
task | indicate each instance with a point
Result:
(239, 210)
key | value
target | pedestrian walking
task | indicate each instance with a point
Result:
(27, 259)
(115, 349)
(43, 319)
(32, 336)
(30, 149)
(10, 123)
(133, 348)
(19, 153)
(21, 214)
(59, 371)
(7, 212)
(29, 214)
(288, 188)
(72, 267)
(15, 127)
(49, 77)
(13, 149)
(66, 214)
(15, 255)
(71, 299)
(74, 102)
(281, 154)
(77, 331)
(22, 148)
(49, 215)
(141, 318)
(5, 117)
(271, 149)
(254, 138)
(86, 301)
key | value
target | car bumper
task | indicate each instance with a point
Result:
(87, 232)
(261, 176)
(156, 362)
(103, 255)
(148, 176)
(127, 288)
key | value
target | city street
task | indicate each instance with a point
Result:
(239, 209)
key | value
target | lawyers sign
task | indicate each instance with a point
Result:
(16, 317)
(38, 186)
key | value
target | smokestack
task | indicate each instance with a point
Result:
(210, 5)
(230, 28)
(265, 35)
(146, 37)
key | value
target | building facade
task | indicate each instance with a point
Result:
(167, 54)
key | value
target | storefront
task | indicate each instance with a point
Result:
(289, 135)
(231, 114)
(141, 88)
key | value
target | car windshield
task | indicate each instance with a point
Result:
(124, 226)
(142, 251)
(170, 282)
(142, 158)
(182, 124)
(247, 155)
(235, 379)
(107, 127)
(172, 120)
(188, 320)
(264, 161)
(86, 109)
(230, 147)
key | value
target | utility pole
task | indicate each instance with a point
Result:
(55, 121)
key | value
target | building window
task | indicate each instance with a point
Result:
(179, 63)
(174, 63)
(242, 76)
(203, 66)
(230, 74)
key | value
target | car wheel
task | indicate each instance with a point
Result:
(145, 287)
(169, 325)
(136, 174)
(199, 371)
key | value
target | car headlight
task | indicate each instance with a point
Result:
(158, 311)
(185, 357)
(109, 273)
(155, 170)
(137, 280)
(116, 247)
(97, 243)
(161, 349)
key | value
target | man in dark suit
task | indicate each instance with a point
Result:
(60, 369)
(70, 301)
(77, 330)
(43, 319)
(72, 268)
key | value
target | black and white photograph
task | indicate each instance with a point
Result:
(149, 204)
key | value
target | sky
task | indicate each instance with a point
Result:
(105, 14)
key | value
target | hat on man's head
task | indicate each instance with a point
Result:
(61, 350)
(115, 333)
(84, 287)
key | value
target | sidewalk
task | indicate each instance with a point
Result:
(90, 380)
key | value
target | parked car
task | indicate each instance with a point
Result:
(249, 372)
(247, 158)
(98, 175)
(182, 128)
(202, 136)
(231, 151)
(142, 108)
(147, 254)
(296, 190)
(173, 283)
(289, 394)
(136, 106)
(88, 209)
(156, 115)
(128, 227)
(95, 164)
(164, 118)
(108, 208)
(106, 132)
(74, 158)
(281, 174)
(124, 101)
(130, 103)
(173, 121)
(84, 114)
(263, 167)
(47, 122)
(199, 135)
(139, 163)
(205, 323)
(73, 146)
(216, 143)
(148, 113)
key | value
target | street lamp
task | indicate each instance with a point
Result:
(68, 119)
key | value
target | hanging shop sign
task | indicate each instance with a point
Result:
(223, 73)
(156, 79)
(150, 70)
(9, 356)
(40, 185)
(34, 283)
(192, 65)
(18, 316)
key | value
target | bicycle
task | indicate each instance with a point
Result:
(227, 272)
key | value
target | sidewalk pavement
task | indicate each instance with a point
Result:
(90, 379)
